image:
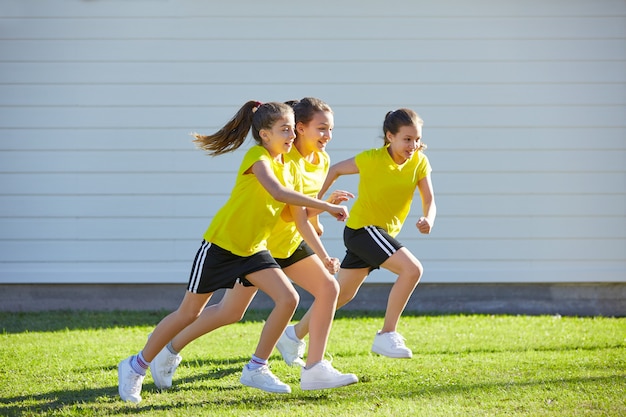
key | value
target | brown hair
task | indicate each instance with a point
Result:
(395, 119)
(253, 115)
(306, 108)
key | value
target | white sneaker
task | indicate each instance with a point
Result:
(262, 378)
(291, 350)
(322, 375)
(163, 367)
(391, 344)
(129, 382)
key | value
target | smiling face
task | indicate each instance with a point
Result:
(404, 143)
(313, 136)
(279, 139)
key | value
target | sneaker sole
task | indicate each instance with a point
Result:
(393, 355)
(286, 390)
(325, 385)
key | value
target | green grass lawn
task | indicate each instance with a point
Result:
(65, 364)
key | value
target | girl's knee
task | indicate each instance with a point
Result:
(419, 269)
(187, 317)
(345, 296)
(332, 289)
(233, 317)
(289, 301)
(229, 314)
(415, 272)
(295, 299)
(328, 290)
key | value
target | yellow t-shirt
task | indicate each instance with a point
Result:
(244, 223)
(386, 189)
(285, 237)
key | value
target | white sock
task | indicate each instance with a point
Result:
(256, 363)
(171, 349)
(139, 364)
(309, 367)
(290, 331)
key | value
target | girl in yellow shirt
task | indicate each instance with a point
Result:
(234, 249)
(306, 262)
(388, 179)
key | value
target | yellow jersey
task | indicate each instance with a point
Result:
(244, 223)
(285, 237)
(386, 189)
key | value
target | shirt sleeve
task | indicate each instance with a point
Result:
(424, 168)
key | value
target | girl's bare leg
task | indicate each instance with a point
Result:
(409, 271)
(230, 309)
(349, 281)
(275, 284)
(188, 311)
(310, 274)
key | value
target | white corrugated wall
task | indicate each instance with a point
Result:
(524, 105)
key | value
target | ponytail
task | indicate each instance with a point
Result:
(254, 116)
(232, 135)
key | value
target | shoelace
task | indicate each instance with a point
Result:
(134, 380)
(329, 368)
(170, 364)
(301, 348)
(265, 371)
(396, 340)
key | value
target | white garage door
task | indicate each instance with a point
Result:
(524, 105)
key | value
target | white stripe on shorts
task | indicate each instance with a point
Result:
(378, 238)
(197, 267)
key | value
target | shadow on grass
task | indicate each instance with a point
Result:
(221, 368)
(106, 400)
(52, 321)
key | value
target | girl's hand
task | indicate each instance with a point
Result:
(338, 212)
(339, 196)
(332, 264)
(423, 225)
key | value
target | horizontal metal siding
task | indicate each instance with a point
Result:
(524, 104)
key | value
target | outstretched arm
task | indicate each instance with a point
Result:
(336, 197)
(268, 180)
(346, 167)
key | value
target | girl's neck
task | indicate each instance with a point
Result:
(399, 160)
(276, 156)
(309, 155)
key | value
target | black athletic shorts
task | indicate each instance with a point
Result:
(367, 247)
(215, 268)
(302, 251)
